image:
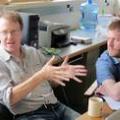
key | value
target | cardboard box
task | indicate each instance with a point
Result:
(3, 2)
(14, 1)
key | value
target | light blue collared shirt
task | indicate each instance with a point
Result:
(107, 67)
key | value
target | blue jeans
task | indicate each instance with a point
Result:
(52, 112)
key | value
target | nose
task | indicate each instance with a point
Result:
(9, 34)
(9, 37)
(111, 42)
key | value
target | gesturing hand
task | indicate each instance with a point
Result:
(62, 73)
(74, 70)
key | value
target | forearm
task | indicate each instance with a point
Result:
(113, 90)
(22, 89)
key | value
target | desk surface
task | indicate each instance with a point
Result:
(74, 50)
(106, 111)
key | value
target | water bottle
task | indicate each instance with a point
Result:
(89, 13)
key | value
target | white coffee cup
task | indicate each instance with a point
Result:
(95, 105)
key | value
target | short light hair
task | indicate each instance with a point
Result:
(115, 25)
(13, 16)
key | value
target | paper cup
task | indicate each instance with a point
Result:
(95, 105)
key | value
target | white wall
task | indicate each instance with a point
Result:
(66, 12)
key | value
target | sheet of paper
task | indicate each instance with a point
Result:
(114, 105)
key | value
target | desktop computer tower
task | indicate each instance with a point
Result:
(30, 29)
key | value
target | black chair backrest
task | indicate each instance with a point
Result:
(5, 114)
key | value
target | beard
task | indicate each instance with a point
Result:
(114, 53)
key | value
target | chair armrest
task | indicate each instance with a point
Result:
(90, 91)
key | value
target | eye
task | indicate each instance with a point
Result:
(118, 39)
(110, 38)
(4, 33)
(13, 32)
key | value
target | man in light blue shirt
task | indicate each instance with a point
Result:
(108, 65)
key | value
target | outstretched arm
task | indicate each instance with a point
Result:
(58, 74)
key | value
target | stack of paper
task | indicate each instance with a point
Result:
(83, 40)
(113, 104)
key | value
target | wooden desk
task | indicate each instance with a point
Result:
(106, 111)
(74, 50)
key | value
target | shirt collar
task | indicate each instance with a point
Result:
(6, 55)
(116, 60)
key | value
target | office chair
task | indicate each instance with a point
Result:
(91, 90)
(5, 114)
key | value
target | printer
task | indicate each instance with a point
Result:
(54, 35)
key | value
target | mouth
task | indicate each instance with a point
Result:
(10, 43)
